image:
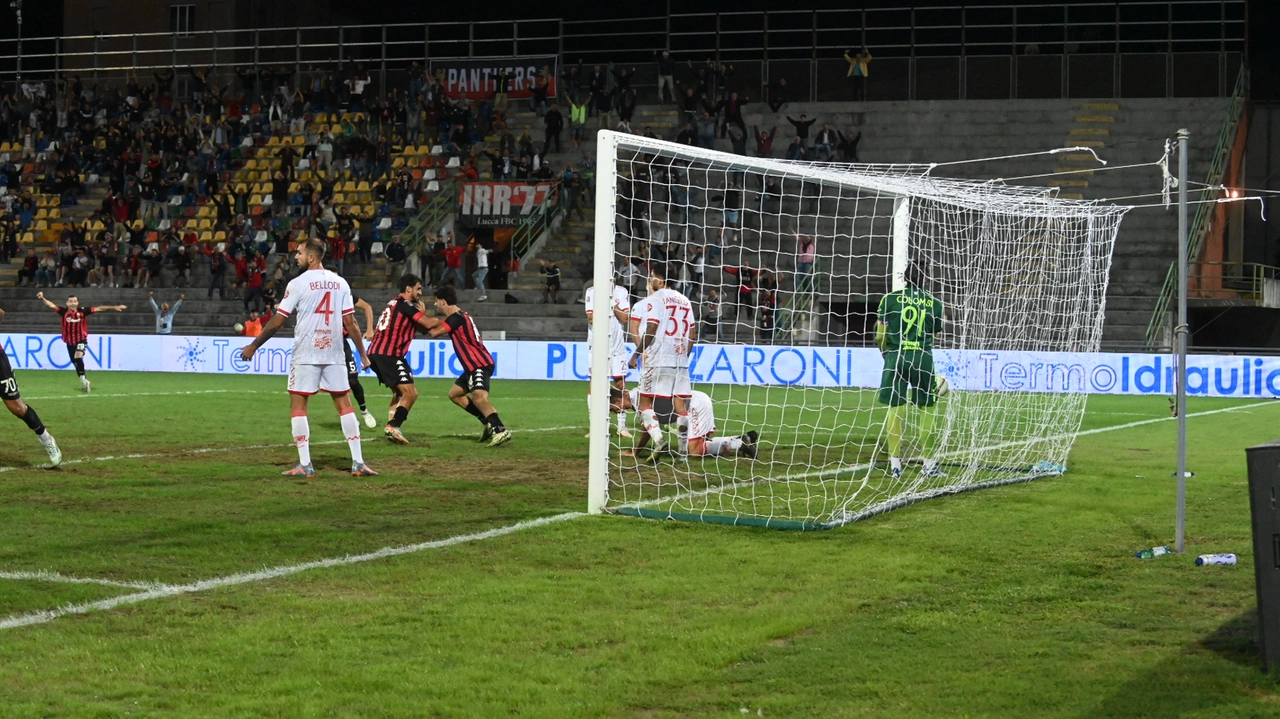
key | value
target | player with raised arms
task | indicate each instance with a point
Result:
(620, 316)
(75, 329)
(471, 390)
(697, 435)
(906, 321)
(23, 411)
(662, 326)
(320, 303)
(399, 322)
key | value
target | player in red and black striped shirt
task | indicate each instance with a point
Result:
(471, 390)
(399, 322)
(75, 329)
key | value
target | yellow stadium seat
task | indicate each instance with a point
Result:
(55, 213)
(40, 226)
(363, 186)
(220, 236)
(29, 237)
(255, 200)
(251, 164)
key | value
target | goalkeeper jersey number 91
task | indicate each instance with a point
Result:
(911, 318)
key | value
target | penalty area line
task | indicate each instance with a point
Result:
(163, 591)
(56, 578)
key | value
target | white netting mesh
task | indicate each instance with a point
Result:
(1015, 268)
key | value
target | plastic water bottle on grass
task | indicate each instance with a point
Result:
(1226, 560)
(1154, 552)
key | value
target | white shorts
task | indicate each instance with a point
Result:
(701, 424)
(309, 379)
(617, 366)
(665, 382)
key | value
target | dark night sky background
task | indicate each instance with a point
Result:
(44, 18)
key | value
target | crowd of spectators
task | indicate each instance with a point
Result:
(172, 148)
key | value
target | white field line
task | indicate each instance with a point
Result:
(867, 465)
(44, 576)
(210, 450)
(151, 394)
(160, 592)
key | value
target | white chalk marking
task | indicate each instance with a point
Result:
(160, 592)
(54, 577)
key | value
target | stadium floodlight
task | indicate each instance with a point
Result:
(1016, 270)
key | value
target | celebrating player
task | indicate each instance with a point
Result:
(662, 327)
(696, 435)
(13, 400)
(906, 322)
(353, 369)
(471, 390)
(75, 329)
(399, 321)
(620, 306)
(314, 297)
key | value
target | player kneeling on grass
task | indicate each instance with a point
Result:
(907, 320)
(471, 390)
(697, 429)
(313, 298)
(399, 322)
(13, 400)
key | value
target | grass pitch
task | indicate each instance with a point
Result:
(1020, 601)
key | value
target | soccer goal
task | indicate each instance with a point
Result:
(797, 260)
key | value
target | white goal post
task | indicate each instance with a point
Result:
(799, 256)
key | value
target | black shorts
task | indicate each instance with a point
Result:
(8, 383)
(353, 369)
(475, 379)
(391, 371)
(72, 349)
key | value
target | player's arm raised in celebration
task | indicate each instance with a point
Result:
(51, 305)
(353, 331)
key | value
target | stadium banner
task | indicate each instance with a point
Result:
(1098, 373)
(477, 78)
(501, 204)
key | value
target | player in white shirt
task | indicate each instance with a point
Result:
(697, 434)
(320, 303)
(662, 326)
(621, 307)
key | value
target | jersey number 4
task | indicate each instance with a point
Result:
(326, 308)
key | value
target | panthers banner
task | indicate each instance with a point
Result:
(477, 79)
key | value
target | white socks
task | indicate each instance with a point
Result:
(351, 430)
(895, 463)
(45, 438)
(723, 445)
(682, 430)
(622, 421)
(649, 423)
(932, 464)
(302, 438)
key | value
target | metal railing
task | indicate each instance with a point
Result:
(1158, 325)
(540, 221)
(802, 304)
(1087, 49)
(430, 216)
(1238, 282)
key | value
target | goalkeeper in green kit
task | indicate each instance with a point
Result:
(906, 322)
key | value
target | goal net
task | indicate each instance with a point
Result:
(787, 266)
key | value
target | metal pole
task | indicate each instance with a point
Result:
(17, 83)
(1180, 373)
